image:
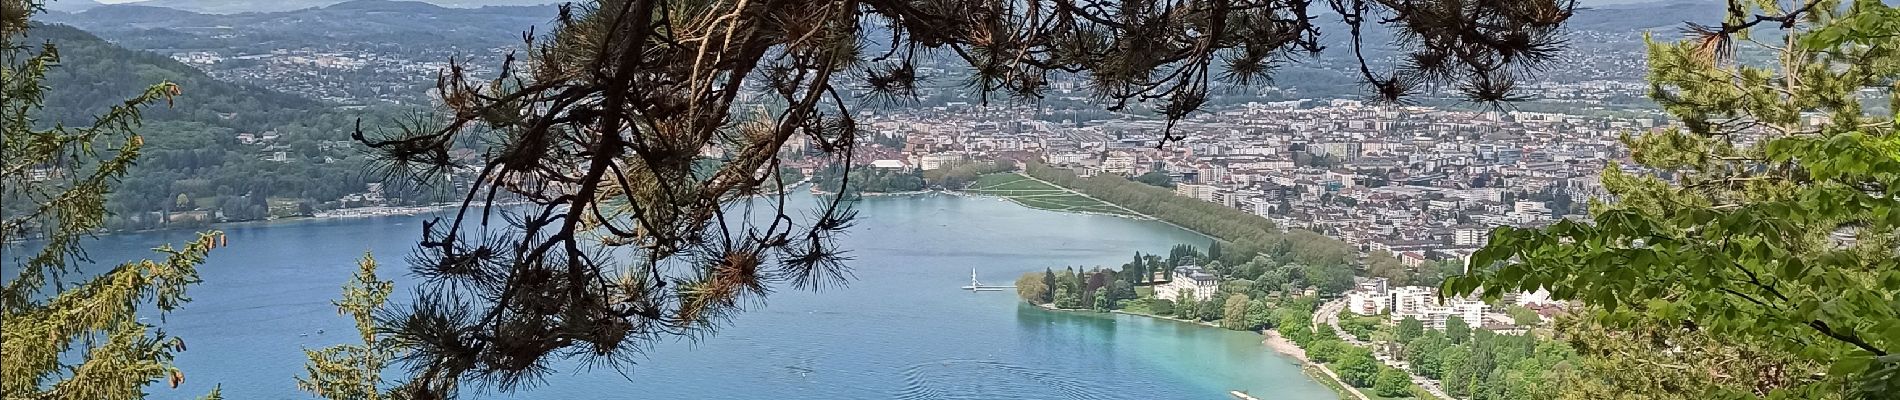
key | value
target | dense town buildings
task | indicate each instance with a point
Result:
(1423, 183)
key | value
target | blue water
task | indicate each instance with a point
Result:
(903, 329)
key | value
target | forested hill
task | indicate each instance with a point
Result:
(221, 151)
(363, 25)
(94, 75)
(355, 52)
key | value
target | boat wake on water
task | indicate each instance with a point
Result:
(983, 379)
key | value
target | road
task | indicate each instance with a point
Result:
(1329, 314)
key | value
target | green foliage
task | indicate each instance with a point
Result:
(1391, 382)
(70, 333)
(1186, 306)
(1359, 326)
(1066, 298)
(1781, 241)
(1259, 314)
(1156, 178)
(1457, 374)
(1357, 366)
(1523, 316)
(1410, 328)
(1456, 329)
(1234, 313)
(191, 146)
(1382, 264)
(868, 180)
(354, 371)
(1425, 355)
(1326, 351)
(1162, 307)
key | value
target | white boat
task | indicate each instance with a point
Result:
(978, 286)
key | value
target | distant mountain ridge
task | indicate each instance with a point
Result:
(71, 5)
(248, 6)
(371, 22)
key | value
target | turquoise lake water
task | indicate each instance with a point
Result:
(902, 330)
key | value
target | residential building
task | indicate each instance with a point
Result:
(1190, 279)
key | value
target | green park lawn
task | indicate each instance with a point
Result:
(1036, 194)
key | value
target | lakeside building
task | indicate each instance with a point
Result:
(1191, 279)
(1373, 297)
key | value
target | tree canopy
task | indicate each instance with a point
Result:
(73, 333)
(1764, 219)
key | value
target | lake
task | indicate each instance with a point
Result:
(901, 330)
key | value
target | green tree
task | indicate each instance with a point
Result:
(1214, 251)
(1782, 241)
(1326, 350)
(1185, 305)
(1234, 313)
(70, 333)
(1210, 310)
(354, 371)
(1049, 281)
(1456, 371)
(1142, 272)
(1523, 316)
(1410, 328)
(1068, 298)
(1383, 265)
(1425, 355)
(1328, 279)
(1456, 330)
(1391, 382)
(1259, 314)
(1156, 178)
(1357, 366)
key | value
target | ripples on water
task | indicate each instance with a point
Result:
(982, 379)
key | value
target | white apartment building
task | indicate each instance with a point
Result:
(1369, 296)
(1189, 278)
(1422, 303)
(1468, 237)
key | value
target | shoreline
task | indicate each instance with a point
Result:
(1137, 217)
(1272, 340)
(1281, 345)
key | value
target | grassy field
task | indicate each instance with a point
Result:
(1036, 194)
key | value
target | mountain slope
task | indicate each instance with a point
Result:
(198, 165)
(94, 74)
